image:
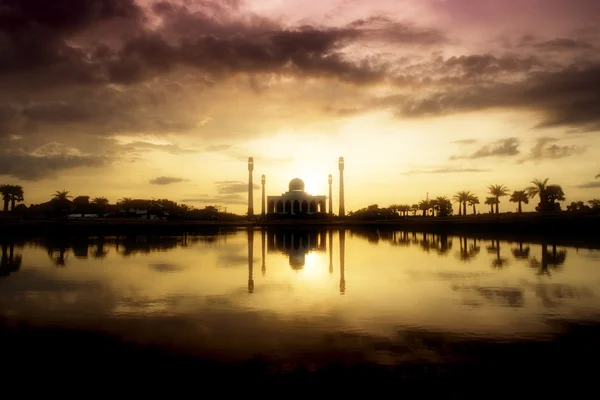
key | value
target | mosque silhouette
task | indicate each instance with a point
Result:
(295, 201)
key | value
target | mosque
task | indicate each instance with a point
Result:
(295, 201)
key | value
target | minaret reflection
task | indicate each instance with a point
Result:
(342, 261)
(331, 252)
(250, 232)
(262, 245)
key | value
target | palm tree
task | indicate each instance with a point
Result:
(6, 193)
(61, 195)
(472, 201)
(491, 201)
(538, 189)
(498, 191)
(458, 199)
(462, 198)
(519, 196)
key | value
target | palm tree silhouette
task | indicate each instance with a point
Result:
(5, 190)
(61, 195)
(462, 198)
(100, 204)
(473, 200)
(11, 194)
(538, 189)
(498, 191)
(491, 201)
(519, 196)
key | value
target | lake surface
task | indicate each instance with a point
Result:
(305, 298)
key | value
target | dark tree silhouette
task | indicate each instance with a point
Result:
(11, 194)
(549, 195)
(491, 201)
(424, 206)
(473, 200)
(519, 196)
(498, 191)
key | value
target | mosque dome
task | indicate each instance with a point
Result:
(296, 185)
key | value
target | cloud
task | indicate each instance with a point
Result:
(464, 141)
(137, 146)
(166, 180)
(31, 167)
(501, 148)
(566, 97)
(219, 199)
(589, 185)
(545, 148)
(448, 170)
(564, 44)
(233, 187)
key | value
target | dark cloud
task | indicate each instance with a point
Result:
(219, 199)
(501, 148)
(564, 44)
(381, 28)
(166, 180)
(33, 167)
(546, 148)
(589, 185)
(567, 97)
(448, 170)
(137, 146)
(233, 187)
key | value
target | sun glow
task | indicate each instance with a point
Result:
(314, 267)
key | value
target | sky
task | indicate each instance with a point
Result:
(168, 99)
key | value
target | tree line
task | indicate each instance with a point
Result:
(549, 195)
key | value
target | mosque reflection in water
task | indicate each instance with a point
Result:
(296, 245)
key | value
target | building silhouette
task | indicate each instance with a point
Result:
(250, 187)
(295, 201)
(341, 168)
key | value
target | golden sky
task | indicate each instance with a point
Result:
(150, 99)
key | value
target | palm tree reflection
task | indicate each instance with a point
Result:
(549, 260)
(521, 252)
(9, 262)
(498, 262)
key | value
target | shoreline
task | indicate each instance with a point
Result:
(551, 226)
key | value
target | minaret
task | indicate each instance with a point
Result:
(250, 188)
(342, 261)
(263, 180)
(250, 260)
(341, 166)
(330, 195)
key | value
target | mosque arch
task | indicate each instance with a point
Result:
(287, 207)
(296, 208)
(279, 208)
(304, 206)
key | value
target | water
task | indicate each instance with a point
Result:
(304, 298)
